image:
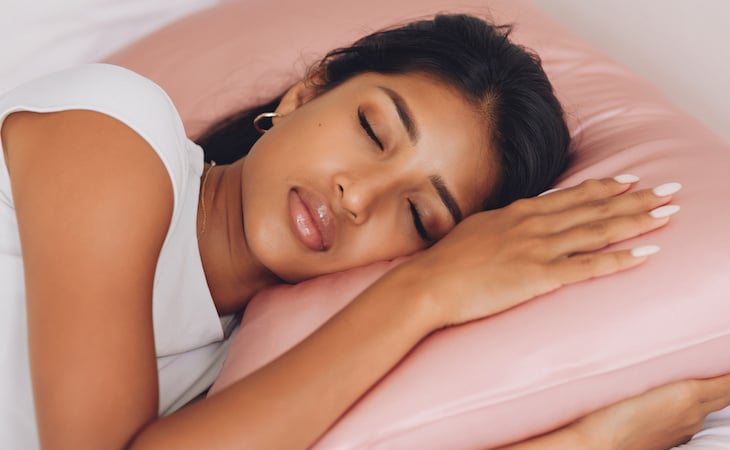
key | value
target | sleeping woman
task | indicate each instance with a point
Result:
(435, 137)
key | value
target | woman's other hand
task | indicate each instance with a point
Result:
(659, 419)
(497, 259)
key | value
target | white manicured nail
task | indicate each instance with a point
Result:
(549, 191)
(644, 250)
(667, 189)
(626, 178)
(663, 211)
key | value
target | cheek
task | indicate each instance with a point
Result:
(265, 229)
(382, 240)
(379, 241)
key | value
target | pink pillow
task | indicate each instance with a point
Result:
(538, 366)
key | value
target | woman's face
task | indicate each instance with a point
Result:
(378, 167)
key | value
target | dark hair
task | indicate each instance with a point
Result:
(503, 79)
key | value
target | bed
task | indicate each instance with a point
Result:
(625, 117)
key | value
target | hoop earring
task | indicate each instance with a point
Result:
(265, 115)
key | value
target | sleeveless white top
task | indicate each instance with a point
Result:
(189, 335)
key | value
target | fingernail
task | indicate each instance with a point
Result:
(644, 250)
(549, 191)
(663, 211)
(667, 189)
(626, 178)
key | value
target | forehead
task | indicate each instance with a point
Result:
(453, 133)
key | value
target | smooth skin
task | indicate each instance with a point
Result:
(321, 146)
(659, 419)
(77, 276)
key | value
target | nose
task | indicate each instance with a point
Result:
(361, 195)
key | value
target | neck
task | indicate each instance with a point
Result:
(233, 274)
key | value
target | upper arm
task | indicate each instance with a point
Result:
(93, 203)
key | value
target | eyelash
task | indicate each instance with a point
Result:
(417, 222)
(368, 129)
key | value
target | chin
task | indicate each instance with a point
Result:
(274, 245)
(284, 261)
(288, 275)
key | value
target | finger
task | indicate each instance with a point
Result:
(592, 265)
(645, 200)
(602, 233)
(585, 192)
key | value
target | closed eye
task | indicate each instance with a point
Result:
(368, 129)
(418, 223)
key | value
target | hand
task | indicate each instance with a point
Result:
(497, 259)
(656, 420)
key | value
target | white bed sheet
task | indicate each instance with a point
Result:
(47, 35)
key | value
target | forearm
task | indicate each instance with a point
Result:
(305, 390)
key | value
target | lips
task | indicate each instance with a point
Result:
(311, 219)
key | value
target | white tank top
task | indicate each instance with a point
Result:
(189, 335)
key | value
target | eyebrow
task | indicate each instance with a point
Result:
(404, 113)
(406, 118)
(447, 198)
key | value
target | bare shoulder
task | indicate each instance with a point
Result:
(79, 148)
(85, 161)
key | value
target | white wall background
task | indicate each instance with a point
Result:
(682, 46)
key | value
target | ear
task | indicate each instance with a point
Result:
(295, 97)
(299, 94)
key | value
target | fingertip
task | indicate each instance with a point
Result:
(644, 251)
(549, 191)
(664, 211)
(626, 178)
(619, 184)
(667, 189)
